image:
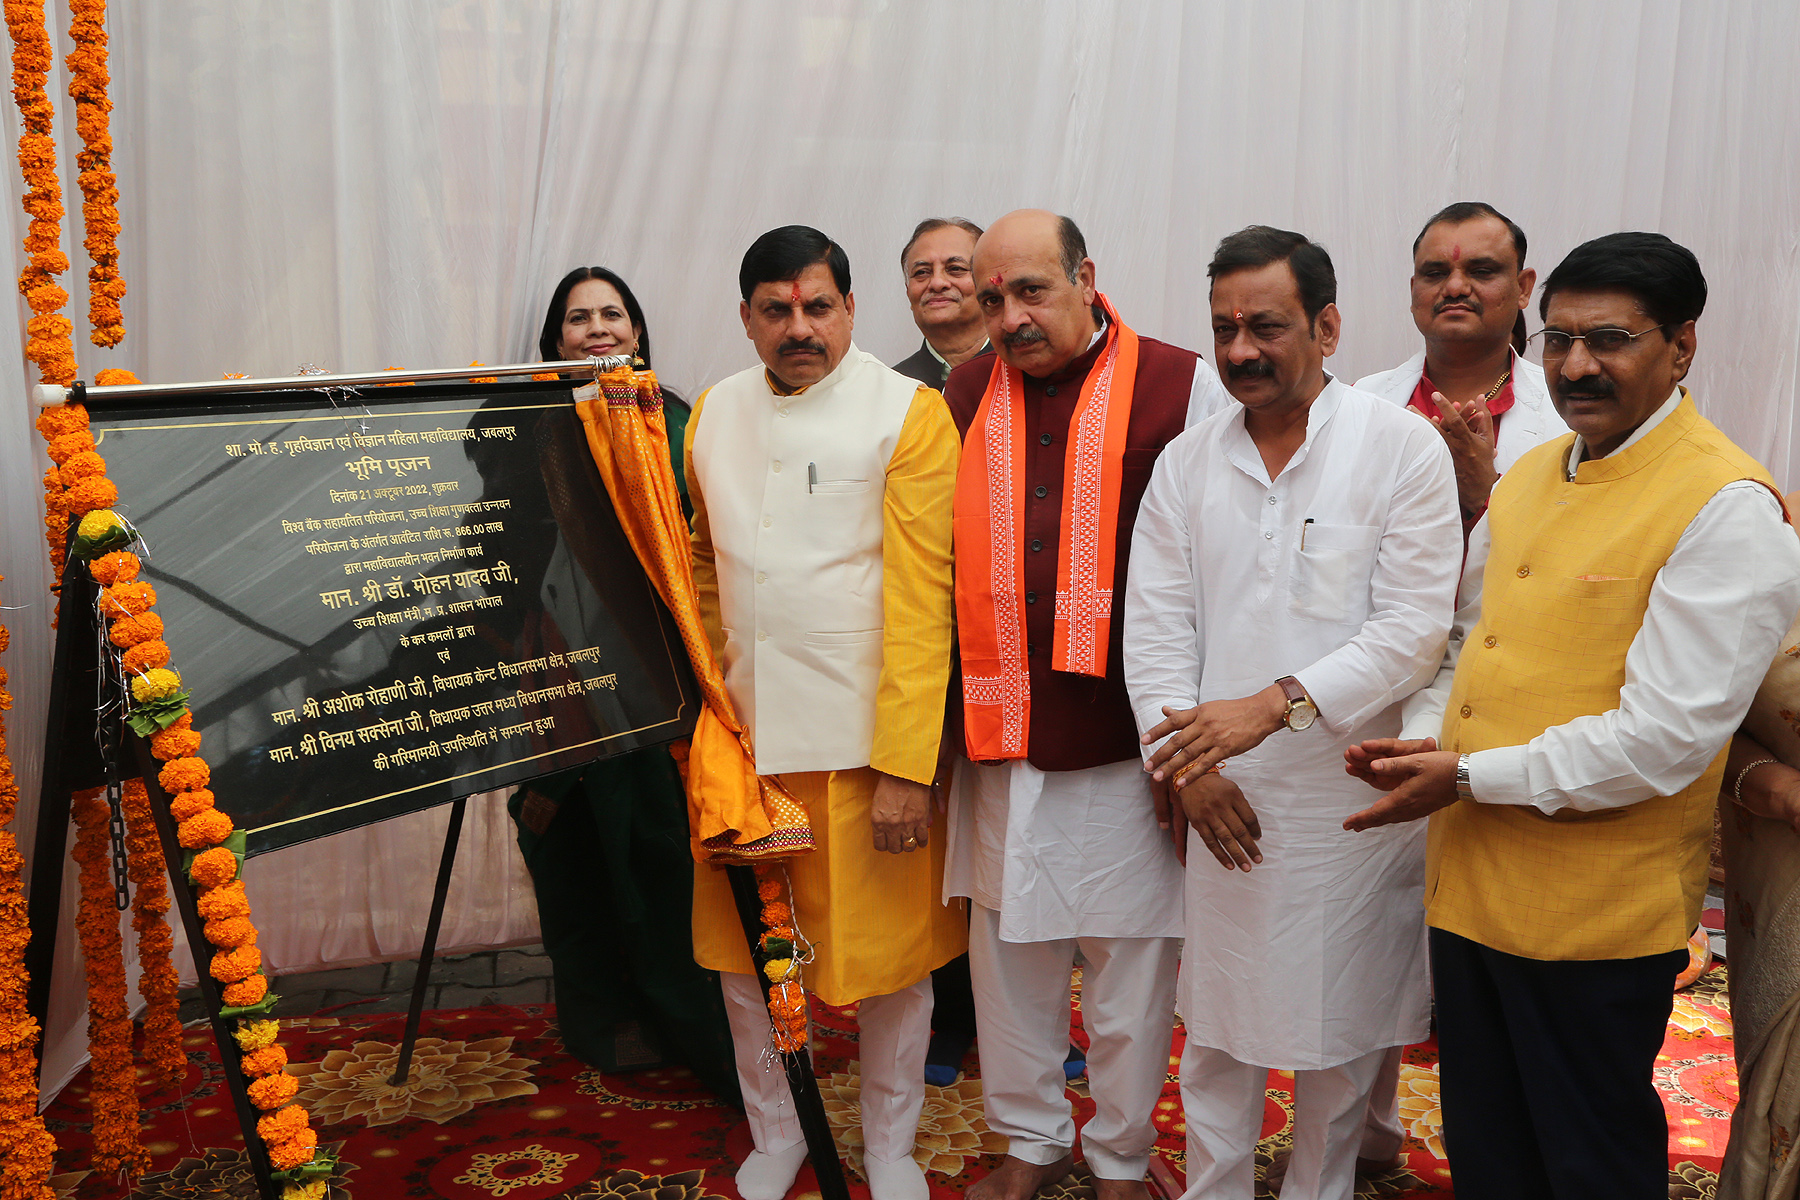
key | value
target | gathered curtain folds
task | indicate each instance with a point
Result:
(734, 814)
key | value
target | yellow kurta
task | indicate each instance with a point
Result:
(875, 920)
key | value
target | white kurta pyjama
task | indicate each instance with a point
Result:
(1316, 956)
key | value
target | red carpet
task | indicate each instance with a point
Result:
(496, 1111)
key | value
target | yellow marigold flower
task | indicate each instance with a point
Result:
(254, 1035)
(777, 969)
(97, 525)
(315, 1190)
(155, 683)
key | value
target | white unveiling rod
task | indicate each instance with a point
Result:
(54, 393)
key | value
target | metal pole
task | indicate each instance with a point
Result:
(809, 1106)
(48, 394)
(452, 834)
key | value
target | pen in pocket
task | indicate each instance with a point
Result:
(812, 476)
(1303, 526)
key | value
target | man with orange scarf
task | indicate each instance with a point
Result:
(1053, 834)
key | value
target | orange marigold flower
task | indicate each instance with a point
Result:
(283, 1123)
(776, 912)
(64, 418)
(86, 465)
(207, 828)
(245, 991)
(225, 901)
(768, 889)
(132, 598)
(132, 631)
(63, 448)
(273, 1091)
(121, 566)
(174, 743)
(114, 376)
(267, 1061)
(230, 932)
(90, 494)
(296, 1151)
(145, 656)
(187, 804)
(214, 868)
(184, 775)
(544, 376)
(240, 962)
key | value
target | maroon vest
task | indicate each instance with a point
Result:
(1078, 721)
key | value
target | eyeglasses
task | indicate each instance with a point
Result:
(1601, 343)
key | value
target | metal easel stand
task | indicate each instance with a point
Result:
(809, 1107)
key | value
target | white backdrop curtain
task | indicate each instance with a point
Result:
(365, 183)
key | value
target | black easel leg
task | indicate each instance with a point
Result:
(224, 1028)
(70, 756)
(809, 1107)
(452, 834)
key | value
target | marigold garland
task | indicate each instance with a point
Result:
(88, 78)
(783, 954)
(126, 602)
(29, 1148)
(158, 983)
(48, 343)
(114, 1095)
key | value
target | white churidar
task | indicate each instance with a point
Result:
(1317, 955)
(1022, 1006)
(812, 519)
(1222, 1101)
(893, 1033)
(1531, 421)
(1062, 854)
(1727, 593)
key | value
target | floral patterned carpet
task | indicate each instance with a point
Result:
(496, 1111)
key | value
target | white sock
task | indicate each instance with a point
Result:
(900, 1180)
(769, 1176)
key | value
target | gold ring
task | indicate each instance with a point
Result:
(911, 842)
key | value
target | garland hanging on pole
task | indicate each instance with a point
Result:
(88, 80)
(28, 1145)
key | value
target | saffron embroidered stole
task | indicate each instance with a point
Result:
(989, 527)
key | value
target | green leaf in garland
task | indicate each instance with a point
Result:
(154, 716)
(324, 1162)
(777, 947)
(234, 843)
(261, 1008)
(88, 549)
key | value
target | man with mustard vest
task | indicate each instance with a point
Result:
(1622, 598)
(822, 484)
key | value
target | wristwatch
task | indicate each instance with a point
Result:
(1463, 791)
(1301, 711)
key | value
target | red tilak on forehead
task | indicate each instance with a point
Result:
(1456, 254)
(794, 295)
(1238, 315)
(996, 280)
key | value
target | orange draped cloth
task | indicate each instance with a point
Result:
(734, 814)
(989, 525)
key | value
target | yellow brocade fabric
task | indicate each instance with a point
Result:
(1566, 588)
(734, 815)
(876, 921)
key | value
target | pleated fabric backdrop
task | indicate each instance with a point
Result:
(359, 184)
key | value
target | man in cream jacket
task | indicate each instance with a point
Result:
(822, 484)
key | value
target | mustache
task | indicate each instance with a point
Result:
(1024, 336)
(1256, 368)
(1590, 387)
(795, 345)
(1468, 302)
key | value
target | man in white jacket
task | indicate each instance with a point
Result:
(1470, 287)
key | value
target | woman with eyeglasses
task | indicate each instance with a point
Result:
(607, 844)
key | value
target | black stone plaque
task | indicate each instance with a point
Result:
(382, 601)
